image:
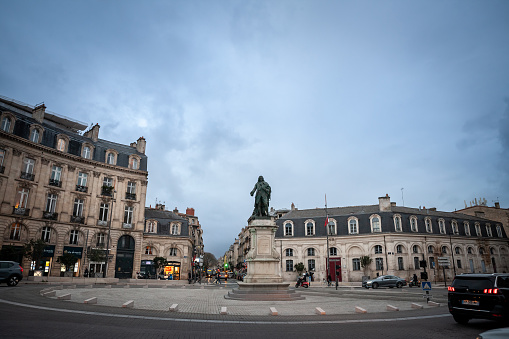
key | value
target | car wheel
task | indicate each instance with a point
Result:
(460, 319)
(366, 287)
(398, 285)
(375, 285)
(13, 281)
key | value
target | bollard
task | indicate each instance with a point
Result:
(273, 311)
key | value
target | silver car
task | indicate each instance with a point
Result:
(384, 281)
(10, 272)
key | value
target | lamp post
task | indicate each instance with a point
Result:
(452, 253)
(108, 238)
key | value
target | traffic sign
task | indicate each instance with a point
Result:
(426, 286)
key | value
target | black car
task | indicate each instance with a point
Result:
(484, 296)
(10, 272)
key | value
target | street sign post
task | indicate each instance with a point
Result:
(426, 286)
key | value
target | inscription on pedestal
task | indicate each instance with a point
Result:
(264, 245)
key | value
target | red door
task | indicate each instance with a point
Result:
(335, 268)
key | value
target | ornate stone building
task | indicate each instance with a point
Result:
(76, 192)
(396, 238)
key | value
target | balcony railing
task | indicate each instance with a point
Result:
(80, 188)
(124, 225)
(2, 169)
(50, 215)
(107, 191)
(54, 182)
(77, 219)
(27, 176)
(130, 196)
(20, 210)
(102, 223)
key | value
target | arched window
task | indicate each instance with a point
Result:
(352, 226)
(397, 223)
(311, 252)
(431, 249)
(413, 224)
(288, 229)
(454, 225)
(151, 226)
(415, 249)
(481, 250)
(6, 124)
(173, 252)
(34, 135)
(457, 250)
(289, 252)
(469, 250)
(441, 226)
(478, 229)
(399, 249)
(429, 228)
(467, 228)
(375, 224)
(148, 250)
(310, 228)
(110, 159)
(331, 227)
(378, 249)
(333, 251)
(86, 152)
(444, 249)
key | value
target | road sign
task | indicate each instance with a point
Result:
(426, 286)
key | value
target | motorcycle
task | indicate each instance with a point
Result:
(414, 283)
(142, 275)
(301, 281)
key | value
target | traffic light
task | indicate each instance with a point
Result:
(225, 265)
(422, 263)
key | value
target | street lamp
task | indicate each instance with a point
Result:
(108, 238)
(452, 253)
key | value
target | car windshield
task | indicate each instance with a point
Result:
(474, 283)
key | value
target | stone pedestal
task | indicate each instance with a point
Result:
(263, 280)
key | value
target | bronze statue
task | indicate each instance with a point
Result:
(261, 205)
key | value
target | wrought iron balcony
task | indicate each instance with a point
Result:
(124, 225)
(53, 182)
(102, 223)
(80, 188)
(77, 219)
(50, 215)
(27, 176)
(130, 196)
(2, 169)
(107, 191)
(20, 210)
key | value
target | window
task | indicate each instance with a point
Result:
(375, 224)
(415, 249)
(454, 225)
(378, 249)
(61, 144)
(397, 223)
(289, 266)
(399, 249)
(2, 157)
(51, 203)
(311, 264)
(148, 250)
(133, 163)
(288, 229)
(22, 198)
(444, 249)
(379, 263)
(481, 250)
(289, 252)
(467, 228)
(86, 152)
(333, 251)
(151, 226)
(46, 234)
(457, 250)
(56, 173)
(478, 229)
(441, 226)
(28, 166)
(499, 230)
(128, 215)
(416, 263)
(82, 179)
(78, 207)
(413, 224)
(108, 182)
(492, 251)
(101, 239)
(431, 249)
(331, 227)
(131, 187)
(488, 230)
(429, 228)
(469, 250)
(173, 252)
(400, 264)
(73, 237)
(34, 135)
(431, 262)
(15, 231)
(6, 124)
(352, 229)
(175, 229)
(311, 252)
(110, 159)
(310, 228)
(356, 264)
(458, 263)
(483, 266)
(104, 209)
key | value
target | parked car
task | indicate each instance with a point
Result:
(384, 281)
(498, 333)
(10, 272)
(484, 296)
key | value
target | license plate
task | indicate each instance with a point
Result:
(470, 302)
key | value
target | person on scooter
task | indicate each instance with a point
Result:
(414, 279)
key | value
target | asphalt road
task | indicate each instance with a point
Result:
(26, 314)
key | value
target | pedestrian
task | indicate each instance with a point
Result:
(189, 277)
(86, 273)
(329, 279)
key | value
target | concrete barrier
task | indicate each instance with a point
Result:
(432, 303)
(174, 308)
(392, 308)
(50, 294)
(319, 311)
(273, 311)
(107, 286)
(64, 297)
(128, 304)
(224, 310)
(145, 286)
(414, 305)
(127, 286)
(92, 300)
(360, 310)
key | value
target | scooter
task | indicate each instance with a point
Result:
(414, 283)
(301, 281)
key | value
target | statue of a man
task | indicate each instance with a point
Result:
(261, 205)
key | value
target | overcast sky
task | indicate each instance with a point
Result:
(353, 99)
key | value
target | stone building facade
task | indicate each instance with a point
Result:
(495, 213)
(78, 193)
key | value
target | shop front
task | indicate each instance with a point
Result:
(148, 268)
(43, 268)
(68, 270)
(172, 271)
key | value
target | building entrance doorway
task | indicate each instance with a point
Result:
(125, 257)
(335, 269)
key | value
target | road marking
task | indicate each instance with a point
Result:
(221, 321)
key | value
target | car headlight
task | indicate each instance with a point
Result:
(369, 281)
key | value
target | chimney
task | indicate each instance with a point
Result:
(384, 203)
(93, 133)
(141, 144)
(38, 112)
(393, 204)
(497, 204)
(190, 211)
(293, 207)
(160, 207)
(175, 210)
